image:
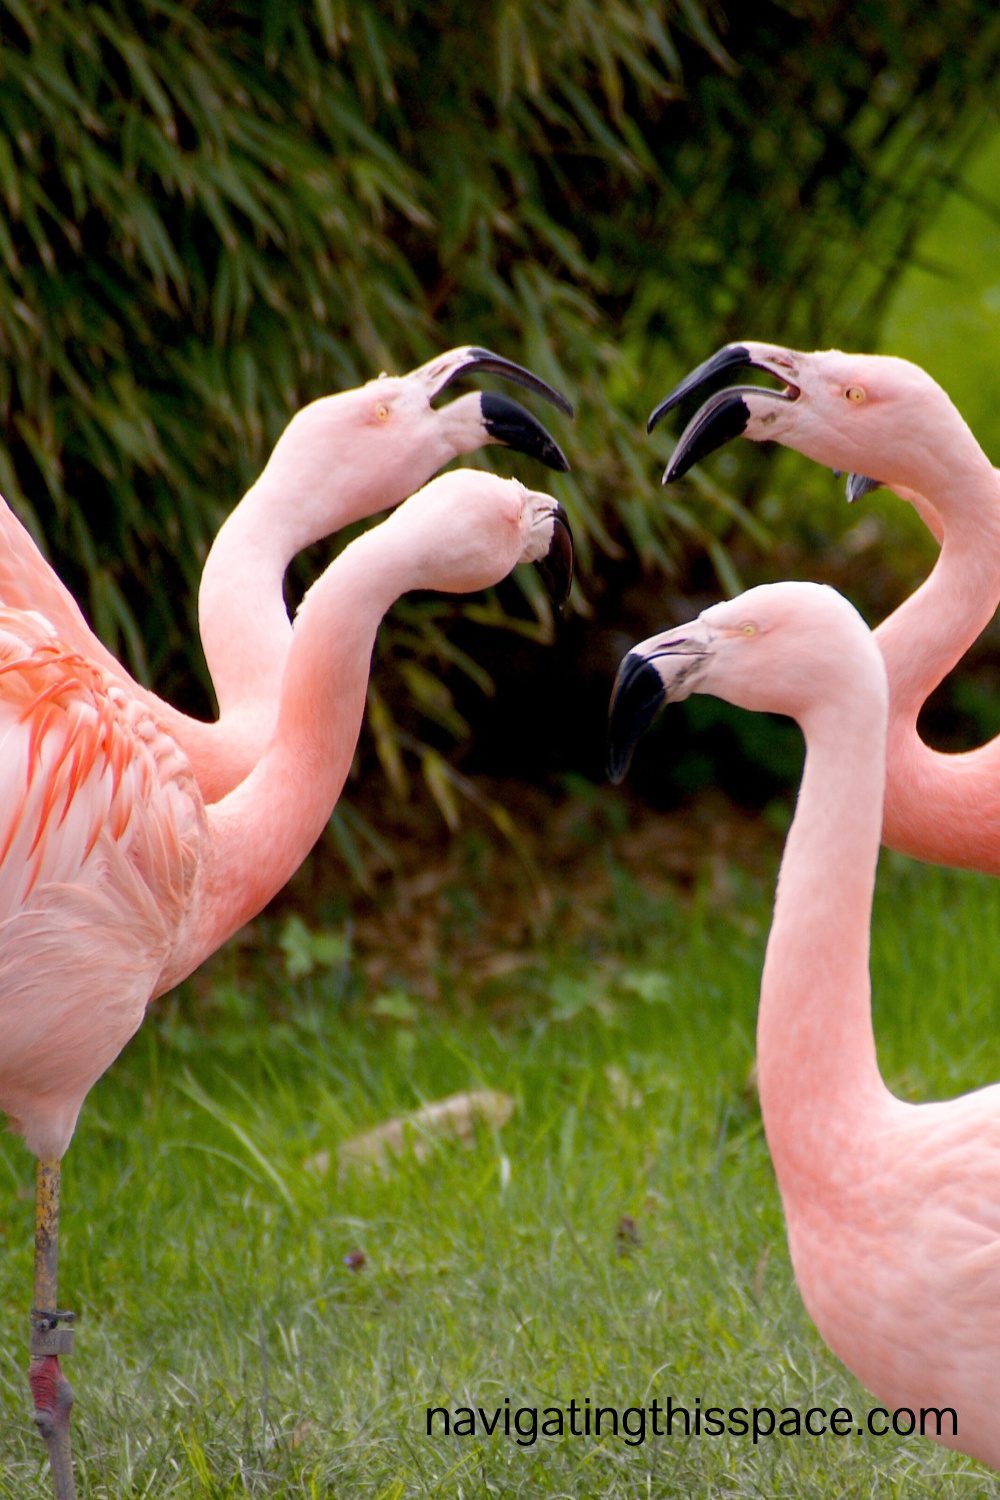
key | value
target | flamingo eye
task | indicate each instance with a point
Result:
(748, 628)
(855, 393)
(382, 411)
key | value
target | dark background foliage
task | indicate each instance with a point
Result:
(214, 212)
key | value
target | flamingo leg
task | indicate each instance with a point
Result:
(51, 1391)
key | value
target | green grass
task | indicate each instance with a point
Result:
(225, 1347)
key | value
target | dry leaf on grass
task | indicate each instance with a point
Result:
(456, 1116)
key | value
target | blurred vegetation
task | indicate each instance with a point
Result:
(944, 311)
(211, 213)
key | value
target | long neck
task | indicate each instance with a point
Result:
(261, 832)
(929, 633)
(242, 618)
(817, 1067)
(315, 482)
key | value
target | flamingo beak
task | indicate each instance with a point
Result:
(730, 357)
(509, 423)
(726, 414)
(657, 672)
(723, 417)
(439, 372)
(859, 485)
(556, 567)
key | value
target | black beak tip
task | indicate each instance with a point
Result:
(859, 485)
(556, 567)
(729, 357)
(618, 763)
(636, 698)
(722, 418)
(555, 458)
(509, 423)
(495, 364)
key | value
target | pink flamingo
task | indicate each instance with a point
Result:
(892, 1209)
(341, 458)
(116, 878)
(878, 415)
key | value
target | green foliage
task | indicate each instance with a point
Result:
(306, 950)
(945, 310)
(210, 214)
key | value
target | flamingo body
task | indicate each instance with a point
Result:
(892, 1209)
(885, 417)
(101, 828)
(901, 1280)
(116, 878)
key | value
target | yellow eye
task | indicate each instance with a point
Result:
(855, 393)
(382, 411)
(748, 628)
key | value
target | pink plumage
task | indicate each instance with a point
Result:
(100, 833)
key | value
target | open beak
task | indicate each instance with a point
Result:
(726, 414)
(556, 567)
(504, 421)
(654, 673)
(440, 371)
(508, 422)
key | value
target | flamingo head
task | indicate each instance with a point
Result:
(467, 529)
(779, 648)
(399, 412)
(357, 452)
(882, 419)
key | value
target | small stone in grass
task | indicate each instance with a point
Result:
(627, 1235)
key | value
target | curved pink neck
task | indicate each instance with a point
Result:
(930, 632)
(817, 1065)
(242, 618)
(924, 510)
(260, 833)
(319, 478)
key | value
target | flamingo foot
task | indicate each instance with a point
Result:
(53, 1398)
